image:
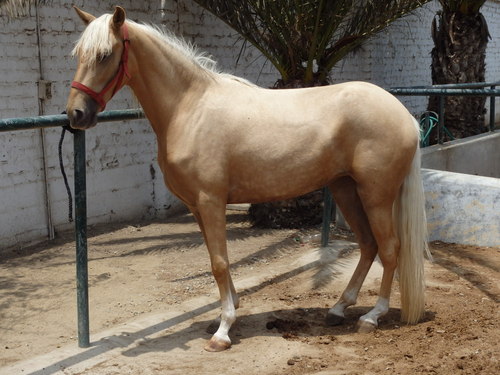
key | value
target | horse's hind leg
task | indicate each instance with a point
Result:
(347, 199)
(211, 214)
(379, 215)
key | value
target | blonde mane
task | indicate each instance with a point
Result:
(96, 41)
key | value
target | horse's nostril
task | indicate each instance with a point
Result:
(77, 115)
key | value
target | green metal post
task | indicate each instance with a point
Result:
(492, 111)
(82, 287)
(440, 128)
(424, 142)
(327, 216)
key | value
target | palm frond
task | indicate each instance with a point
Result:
(305, 39)
(16, 8)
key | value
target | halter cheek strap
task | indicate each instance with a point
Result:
(116, 83)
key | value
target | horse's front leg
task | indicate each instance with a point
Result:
(211, 216)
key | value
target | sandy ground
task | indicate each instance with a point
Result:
(152, 298)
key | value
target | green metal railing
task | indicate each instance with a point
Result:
(80, 187)
(134, 114)
(458, 89)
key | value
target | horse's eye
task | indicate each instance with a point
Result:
(102, 56)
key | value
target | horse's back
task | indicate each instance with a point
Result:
(358, 108)
(338, 123)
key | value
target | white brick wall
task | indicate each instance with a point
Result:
(124, 181)
(121, 156)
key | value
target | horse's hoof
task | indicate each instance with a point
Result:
(364, 326)
(334, 320)
(217, 345)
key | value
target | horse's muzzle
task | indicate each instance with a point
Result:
(82, 117)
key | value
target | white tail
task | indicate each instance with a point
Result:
(409, 212)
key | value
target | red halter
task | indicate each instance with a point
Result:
(116, 83)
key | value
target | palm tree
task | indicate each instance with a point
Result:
(460, 35)
(304, 39)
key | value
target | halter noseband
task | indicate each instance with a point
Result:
(117, 81)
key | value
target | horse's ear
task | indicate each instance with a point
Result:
(86, 17)
(118, 17)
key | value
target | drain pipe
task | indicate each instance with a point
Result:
(44, 92)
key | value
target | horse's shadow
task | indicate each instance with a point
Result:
(289, 324)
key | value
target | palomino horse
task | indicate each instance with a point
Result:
(224, 140)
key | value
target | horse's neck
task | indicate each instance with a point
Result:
(162, 78)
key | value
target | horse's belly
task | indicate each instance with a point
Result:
(276, 182)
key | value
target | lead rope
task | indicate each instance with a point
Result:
(61, 166)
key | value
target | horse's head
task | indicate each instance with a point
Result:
(102, 52)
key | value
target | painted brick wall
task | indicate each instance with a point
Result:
(124, 181)
(21, 195)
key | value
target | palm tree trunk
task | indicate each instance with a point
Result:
(459, 57)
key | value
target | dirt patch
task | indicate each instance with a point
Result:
(161, 271)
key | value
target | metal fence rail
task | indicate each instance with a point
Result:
(27, 123)
(455, 89)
